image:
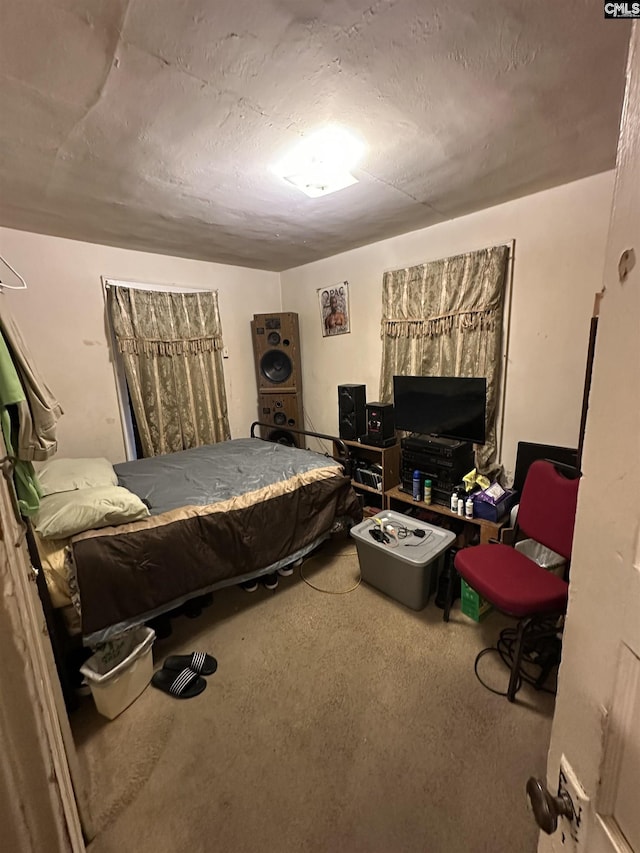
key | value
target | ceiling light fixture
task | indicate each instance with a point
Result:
(321, 163)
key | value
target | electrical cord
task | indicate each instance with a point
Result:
(484, 683)
(422, 536)
(403, 532)
(387, 534)
(542, 646)
(330, 591)
(305, 417)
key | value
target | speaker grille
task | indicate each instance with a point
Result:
(352, 421)
(348, 428)
(346, 402)
(282, 436)
(276, 366)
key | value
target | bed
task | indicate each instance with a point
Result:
(219, 515)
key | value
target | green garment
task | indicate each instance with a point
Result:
(11, 393)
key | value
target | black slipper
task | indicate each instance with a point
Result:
(199, 662)
(185, 685)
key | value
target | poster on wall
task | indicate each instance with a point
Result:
(334, 309)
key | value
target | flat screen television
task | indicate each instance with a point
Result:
(444, 406)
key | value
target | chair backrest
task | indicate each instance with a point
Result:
(547, 508)
(529, 451)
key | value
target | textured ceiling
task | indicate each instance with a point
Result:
(152, 124)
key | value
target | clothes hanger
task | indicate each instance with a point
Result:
(23, 286)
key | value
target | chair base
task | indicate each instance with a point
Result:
(534, 642)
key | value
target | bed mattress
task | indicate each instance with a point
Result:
(219, 514)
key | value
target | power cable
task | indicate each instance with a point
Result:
(330, 591)
(542, 646)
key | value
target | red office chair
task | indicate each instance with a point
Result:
(513, 583)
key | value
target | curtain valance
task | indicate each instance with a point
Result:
(156, 346)
(396, 327)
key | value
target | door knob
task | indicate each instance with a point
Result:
(547, 808)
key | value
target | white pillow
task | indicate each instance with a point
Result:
(67, 513)
(67, 475)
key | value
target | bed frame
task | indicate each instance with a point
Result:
(69, 651)
(344, 457)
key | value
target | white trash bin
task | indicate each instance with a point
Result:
(119, 671)
(545, 557)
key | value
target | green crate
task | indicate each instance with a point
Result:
(473, 605)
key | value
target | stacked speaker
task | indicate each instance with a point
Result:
(276, 349)
(380, 425)
(372, 423)
(352, 411)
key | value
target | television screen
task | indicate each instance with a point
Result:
(445, 406)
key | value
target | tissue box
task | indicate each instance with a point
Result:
(491, 511)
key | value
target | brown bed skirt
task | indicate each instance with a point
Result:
(128, 573)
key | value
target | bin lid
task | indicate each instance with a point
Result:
(411, 549)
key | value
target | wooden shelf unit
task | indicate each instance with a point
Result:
(387, 457)
(488, 529)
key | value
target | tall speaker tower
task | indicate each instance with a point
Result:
(276, 350)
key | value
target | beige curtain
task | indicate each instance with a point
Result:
(171, 346)
(444, 318)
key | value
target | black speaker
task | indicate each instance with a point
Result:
(352, 415)
(380, 426)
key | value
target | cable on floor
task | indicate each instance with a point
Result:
(542, 647)
(331, 591)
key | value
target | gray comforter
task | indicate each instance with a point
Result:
(216, 472)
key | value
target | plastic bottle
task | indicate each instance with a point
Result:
(454, 501)
(417, 486)
(427, 491)
(460, 507)
(468, 507)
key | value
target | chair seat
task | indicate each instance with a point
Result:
(510, 581)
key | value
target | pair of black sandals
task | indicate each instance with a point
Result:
(181, 675)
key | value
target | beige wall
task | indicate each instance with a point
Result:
(62, 317)
(560, 242)
(560, 239)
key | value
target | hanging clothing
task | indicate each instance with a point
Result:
(11, 397)
(38, 411)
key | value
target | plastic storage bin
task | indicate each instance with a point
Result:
(409, 572)
(119, 671)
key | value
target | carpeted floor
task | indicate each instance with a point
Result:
(334, 723)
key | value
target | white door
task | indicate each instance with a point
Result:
(597, 721)
(38, 807)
